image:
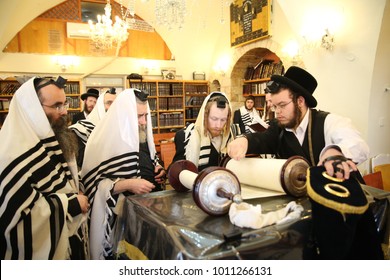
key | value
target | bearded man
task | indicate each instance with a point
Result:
(126, 164)
(43, 213)
(302, 130)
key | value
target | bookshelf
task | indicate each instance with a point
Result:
(256, 78)
(72, 92)
(173, 103)
(9, 86)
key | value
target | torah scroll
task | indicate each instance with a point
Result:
(261, 177)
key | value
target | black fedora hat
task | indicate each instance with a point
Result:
(90, 92)
(301, 82)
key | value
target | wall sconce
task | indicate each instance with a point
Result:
(222, 65)
(319, 26)
(327, 41)
(66, 62)
(149, 67)
(291, 51)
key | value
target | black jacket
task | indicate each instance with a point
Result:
(77, 117)
(284, 144)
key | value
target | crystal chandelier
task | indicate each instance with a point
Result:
(170, 13)
(105, 34)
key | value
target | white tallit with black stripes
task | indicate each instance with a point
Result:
(111, 153)
(83, 128)
(197, 145)
(36, 184)
(250, 118)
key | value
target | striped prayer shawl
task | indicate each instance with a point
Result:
(36, 184)
(124, 166)
(197, 145)
(34, 197)
(112, 153)
(246, 119)
(82, 129)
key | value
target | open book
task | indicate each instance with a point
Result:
(259, 125)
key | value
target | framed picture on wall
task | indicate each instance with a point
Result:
(249, 21)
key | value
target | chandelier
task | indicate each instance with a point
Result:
(170, 13)
(105, 34)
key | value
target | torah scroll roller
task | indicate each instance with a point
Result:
(213, 189)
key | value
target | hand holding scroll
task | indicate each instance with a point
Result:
(237, 148)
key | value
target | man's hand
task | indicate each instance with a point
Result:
(83, 201)
(336, 164)
(237, 148)
(161, 174)
(136, 186)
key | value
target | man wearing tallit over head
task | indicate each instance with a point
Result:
(83, 128)
(120, 159)
(204, 143)
(42, 214)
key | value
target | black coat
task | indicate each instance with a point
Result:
(284, 144)
(77, 117)
(238, 120)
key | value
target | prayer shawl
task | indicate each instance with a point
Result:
(83, 128)
(248, 120)
(197, 145)
(36, 184)
(112, 153)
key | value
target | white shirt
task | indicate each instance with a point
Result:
(338, 131)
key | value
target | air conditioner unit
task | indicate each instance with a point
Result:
(77, 30)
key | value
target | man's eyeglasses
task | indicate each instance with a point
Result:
(280, 106)
(59, 108)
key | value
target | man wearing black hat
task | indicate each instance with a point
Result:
(247, 116)
(343, 225)
(89, 98)
(302, 130)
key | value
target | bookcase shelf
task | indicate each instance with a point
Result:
(173, 103)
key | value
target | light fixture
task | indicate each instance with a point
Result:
(66, 61)
(106, 34)
(327, 41)
(170, 13)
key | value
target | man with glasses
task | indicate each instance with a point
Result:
(120, 159)
(43, 212)
(342, 221)
(320, 137)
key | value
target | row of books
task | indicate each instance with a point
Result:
(9, 88)
(171, 119)
(192, 113)
(154, 120)
(152, 104)
(264, 69)
(72, 88)
(254, 88)
(170, 89)
(74, 102)
(150, 88)
(196, 89)
(194, 100)
(170, 103)
(4, 104)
